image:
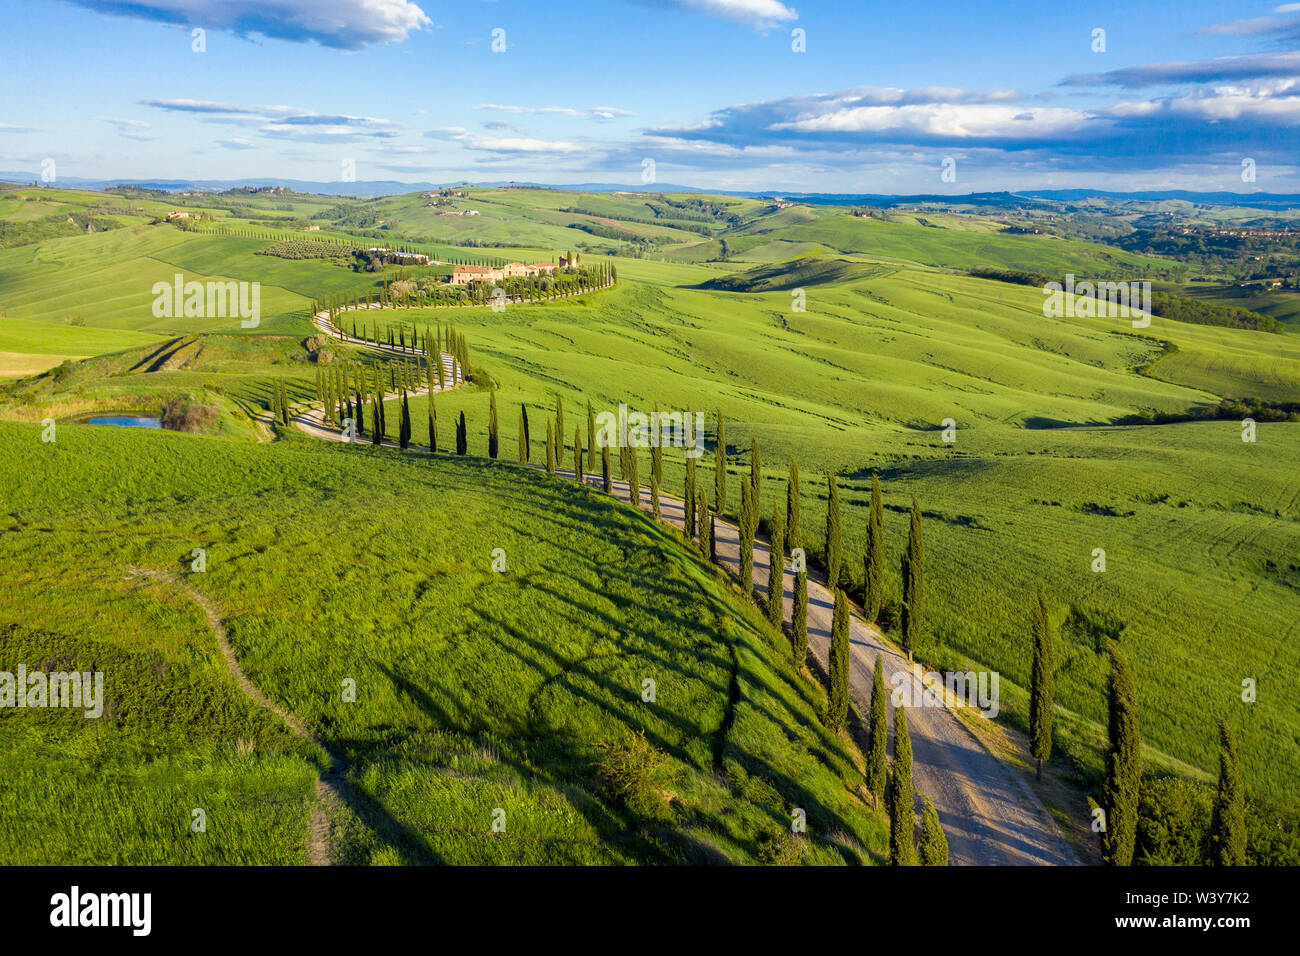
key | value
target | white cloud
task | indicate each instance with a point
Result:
(343, 24)
(759, 14)
(130, 129)
(595, 112)
(948, 120)
(505, 144)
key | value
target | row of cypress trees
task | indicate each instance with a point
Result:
(1122, 783)
(279, 403)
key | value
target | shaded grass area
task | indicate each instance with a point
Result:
(475, 691)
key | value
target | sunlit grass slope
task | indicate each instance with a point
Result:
(525, 691)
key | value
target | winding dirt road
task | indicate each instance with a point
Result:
(988, 812)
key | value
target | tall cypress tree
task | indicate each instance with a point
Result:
(1123, 782)
(720, 468)
(591, 438)
(462, 436)
(523, 434)
(748, 525)
(377, 429)
(837, 697)
(934, 845)
(690, 498)
(550, 448)
(633, 477)
(404, 428)
(834, 533)
(799, 620)
(433, 424)
(492, 423)
(776, 571)
(877, 732)
(607, 481)
(1227, 844)
(657, 458)
(1042, 681)
(793, 517)
(654, 496)
(902, 819)
(559, 424)
(756, 475)
(706, 528)
(913, 584)
(874, 595)
(577, 454)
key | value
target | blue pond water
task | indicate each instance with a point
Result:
(125, 421)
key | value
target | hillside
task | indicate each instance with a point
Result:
(475, 690)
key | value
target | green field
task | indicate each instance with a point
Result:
(475, 690)
(1201, 588)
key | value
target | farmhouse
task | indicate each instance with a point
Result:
(463, 275)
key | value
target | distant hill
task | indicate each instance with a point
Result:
(809, 270)
(383, 187)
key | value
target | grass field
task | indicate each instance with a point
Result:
(1199, 527)
(475, 690)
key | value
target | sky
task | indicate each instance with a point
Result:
(764, 95)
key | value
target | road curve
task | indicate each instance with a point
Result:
(988, 812)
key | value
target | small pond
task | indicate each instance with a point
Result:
(127, 421)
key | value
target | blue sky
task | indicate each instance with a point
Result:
(712, 91)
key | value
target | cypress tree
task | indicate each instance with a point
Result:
(799, 619)
(706, 527)
(877, 730)
(913, 584)
(690, 497)
(1123, 781)
(837, 697)
(934, 845)
(492, 423)
(748, 524)
(577, 454)
(550, 448)
(633, 478)
(559, 426)
(607, 483)
(793, 518)
(377, 429)
(404, 428)
(755, 474)
(433, 425)
(720, 468)
(713, 538)
(657, 460)
(523, 434)
(776, 571)
(654, 496)
(902, 820)
(1041, 685)
(834, 541)
(1228, 821)
(874, 595)
(591, 438)
(462, 436)
(361, 416)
